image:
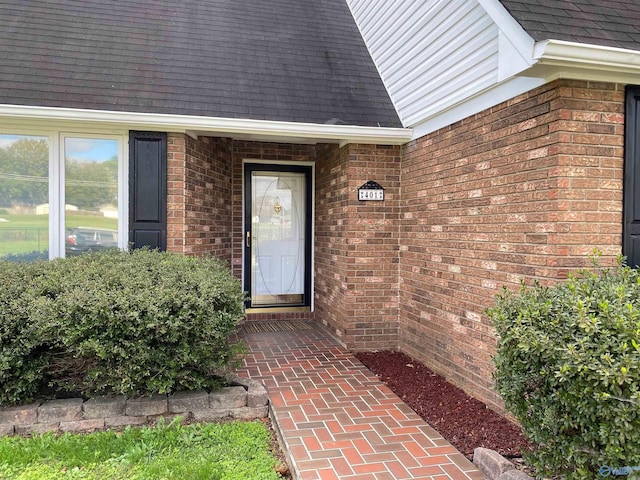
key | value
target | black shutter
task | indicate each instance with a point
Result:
(148, 190)
(631, 230)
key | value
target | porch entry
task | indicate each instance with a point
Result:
(277, 236)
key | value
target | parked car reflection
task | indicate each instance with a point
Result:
(84, 239)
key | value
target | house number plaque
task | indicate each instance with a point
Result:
(371, 191)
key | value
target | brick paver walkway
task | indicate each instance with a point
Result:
(337, 420)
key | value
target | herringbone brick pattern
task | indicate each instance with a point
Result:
(337, 420)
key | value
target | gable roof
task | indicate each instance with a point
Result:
(609, 23)
(281, 60)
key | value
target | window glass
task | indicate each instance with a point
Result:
(91, 194)
(24, 197)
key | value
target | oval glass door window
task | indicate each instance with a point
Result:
(278, 216)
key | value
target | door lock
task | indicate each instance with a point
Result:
(248, 239)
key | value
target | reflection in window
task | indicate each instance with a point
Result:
(91, 194)
(24, 197)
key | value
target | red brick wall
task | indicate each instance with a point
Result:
(356, 255)
(199, 208)
(524, 190)
(332, 199)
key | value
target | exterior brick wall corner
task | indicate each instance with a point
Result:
(524, 190)
(356, 270)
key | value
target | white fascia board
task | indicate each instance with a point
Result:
(553, 60)
(293, 132)
(514, 39)
(585, 56)
(478, 103)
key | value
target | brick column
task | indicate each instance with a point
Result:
(357, 245)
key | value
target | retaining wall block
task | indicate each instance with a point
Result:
(183, 402)
(65, 410)
(37, 428)
(20, 415)
(123, 421)
(229, 397)
(257, 395)
(514, 475)
(209, 414)
(82, 425)
(247, 399)
(491, 463)
(153, 405)
(103, 407)
(248, 413)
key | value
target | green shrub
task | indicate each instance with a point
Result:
(134, 323)
(568, 367)
(24, 344)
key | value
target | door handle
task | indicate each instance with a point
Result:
(248, 239)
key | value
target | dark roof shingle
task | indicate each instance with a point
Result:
(610, 23)
(285, 60)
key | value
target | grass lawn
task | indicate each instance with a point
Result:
(224, 451)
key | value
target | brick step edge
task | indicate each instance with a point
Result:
(495, 466)
(244, 399)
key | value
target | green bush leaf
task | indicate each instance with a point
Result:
(115, 322)
(568, 367)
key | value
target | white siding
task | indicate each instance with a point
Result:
(431, 54)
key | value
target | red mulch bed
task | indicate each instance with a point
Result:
(464, 421)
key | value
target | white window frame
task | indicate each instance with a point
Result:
(56, 139)
(123, 198)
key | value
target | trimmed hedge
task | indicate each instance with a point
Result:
(23, 345)
(568, 368)
(115, 322)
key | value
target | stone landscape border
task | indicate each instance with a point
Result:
(245, 399)
(495, 466)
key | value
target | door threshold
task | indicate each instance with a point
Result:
(249, 310)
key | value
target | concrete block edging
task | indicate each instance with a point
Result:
(495, 467)
(244, 399)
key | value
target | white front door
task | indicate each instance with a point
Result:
(277, 235)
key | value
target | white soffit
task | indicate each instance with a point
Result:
(259, 130)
